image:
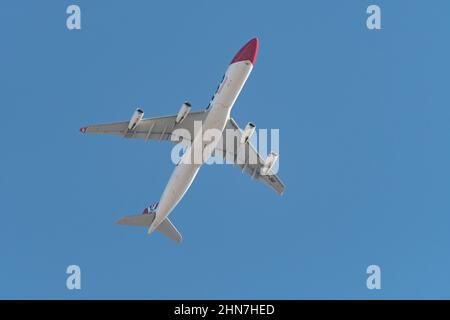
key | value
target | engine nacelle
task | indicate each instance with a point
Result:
(184, 111)
(270, 161)
(248, 132)
(135, 119)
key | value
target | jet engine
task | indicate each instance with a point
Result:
(135, 119)
(248, 132)
(184, 111)
(270, 161)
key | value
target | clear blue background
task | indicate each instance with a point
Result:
(364, 152)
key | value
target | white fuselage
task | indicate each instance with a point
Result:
(217, 117)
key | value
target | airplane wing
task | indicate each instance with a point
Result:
(247, 158)
(160, 128)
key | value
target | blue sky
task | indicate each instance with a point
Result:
(364, 131)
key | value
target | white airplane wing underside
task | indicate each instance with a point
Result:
(160, 128)
(247, 158)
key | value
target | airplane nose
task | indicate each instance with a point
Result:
(247, 52)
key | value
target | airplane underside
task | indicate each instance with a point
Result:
(215, 116)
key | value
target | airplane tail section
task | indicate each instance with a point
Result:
(146, 219)
(168, 229)
(139, 220)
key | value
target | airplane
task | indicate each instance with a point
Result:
(215, 116)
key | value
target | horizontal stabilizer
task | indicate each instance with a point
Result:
(169, 230)
(140, 220)
(145, 220)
